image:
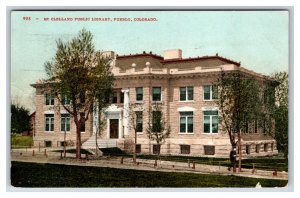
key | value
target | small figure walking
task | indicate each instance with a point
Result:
(232, 157)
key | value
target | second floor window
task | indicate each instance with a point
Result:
(186, 122)
(82, 125)
(115, 97)
(210, 92)
(65, 100)
(49, 122)
(186, 93)
(156, 121)
(49, 99)
(139, 93)
(139, 121)
(156, 94)
(210, 121)
(65, 122)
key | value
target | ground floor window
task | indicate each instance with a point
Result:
(65, 122)
(49, 122)
(138, 148)
(209, 150)
(156, 148)
(210, 121)
(185, 149)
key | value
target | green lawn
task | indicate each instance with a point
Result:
(21, 141)
(50, 175)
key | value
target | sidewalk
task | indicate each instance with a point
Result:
(142, 164)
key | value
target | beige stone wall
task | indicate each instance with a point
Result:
(57, 135)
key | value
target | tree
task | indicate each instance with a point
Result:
(281, 111)
(239, 104)
(102, 93)
(79, 73)
(135, 121)
(20, 119)
(158, 129)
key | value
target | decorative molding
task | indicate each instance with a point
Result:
(182, 109)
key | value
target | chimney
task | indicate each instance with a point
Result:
(110, 54)
(173, 54)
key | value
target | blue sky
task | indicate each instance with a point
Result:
(259, 39)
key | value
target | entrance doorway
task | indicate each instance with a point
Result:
(114, 128)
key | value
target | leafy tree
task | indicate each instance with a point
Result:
(281, 111)
(78, 73)
(20, 119)
(239, 104)
(158, 129)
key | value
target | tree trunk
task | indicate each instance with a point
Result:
(65, 133)
(78, 142)
(240, 151)
(134, 149)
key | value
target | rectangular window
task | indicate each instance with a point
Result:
(266, 147)
(122, 97)
(82, 98)
(210, 121)
(115, 97)
(248, 149)
(138, 148)
(65, 100)
(65, 122)
(156, 94)
(156, 148)
(186, 93)
(49, 122)
(156, 121)
(209, 150)
(49, 99)
(186, 122)
(139, 121)
(48, 143)
(210, 92)
(185, 149)
(257, 148)
(82, 126)
(139, 93)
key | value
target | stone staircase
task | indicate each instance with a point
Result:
(102, 143)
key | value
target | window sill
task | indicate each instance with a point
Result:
(210, 133)
(64, 132)
(157, 102)
(211, 100)
(183, 101)
(186, 133)
(82, 131)
(139, 133)
(139, 102)
(48, 131)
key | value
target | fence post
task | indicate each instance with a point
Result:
(253, 168)
(155, 163)
(61, 154)
(189, 163)
(39, 147)
(122, 158)
(193, 165)
(45, 153)
(275, 173)
(32, 152)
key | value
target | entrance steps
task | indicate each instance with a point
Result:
(102, 143)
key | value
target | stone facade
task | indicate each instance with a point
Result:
(148, 70)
